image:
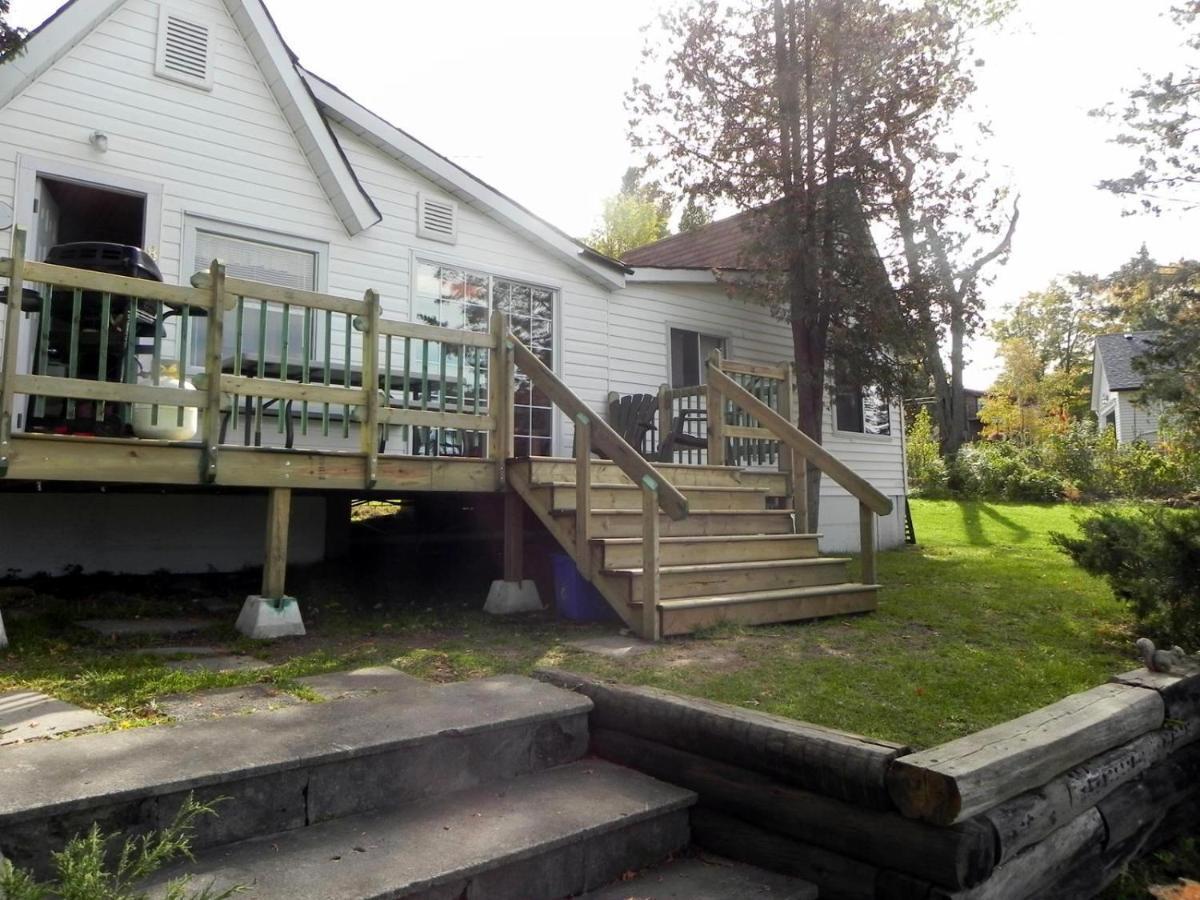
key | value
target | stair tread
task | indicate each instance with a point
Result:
(710, 538)
(58, 776)
(442, 840)
(805, 562)
(776, 594)
(659, 466)
(691, 513)
(707, 878)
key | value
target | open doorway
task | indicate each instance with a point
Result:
(68, 212)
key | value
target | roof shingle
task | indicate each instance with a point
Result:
(1116, 352)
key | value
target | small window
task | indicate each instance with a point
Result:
(183, 50)
(437, 219)
(858, 409)
(689, 356)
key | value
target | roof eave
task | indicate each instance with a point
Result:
(461, 184)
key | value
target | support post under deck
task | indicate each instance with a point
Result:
(273, 614)
(513, 593)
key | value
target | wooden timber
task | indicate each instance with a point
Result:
(279, 515)
(834, 763)
(957, 857)
(954, 781)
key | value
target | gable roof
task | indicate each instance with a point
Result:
(1116, 352)
(457, 181)
(74, 20)
(717, 245)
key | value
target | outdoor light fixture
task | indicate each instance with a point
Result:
(99, 140)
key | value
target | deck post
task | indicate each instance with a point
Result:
(370, 386)
(512, 593)
(666, 422)
(3, 634)
(271, 613)
(716, 416)
(651, 621)
(8, 353)
(583, 494)
(500, 375)
(866, 532)
(212, 372)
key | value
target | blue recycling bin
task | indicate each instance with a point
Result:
(575, 597)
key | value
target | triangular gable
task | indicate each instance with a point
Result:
(457, 181)
(55, 37)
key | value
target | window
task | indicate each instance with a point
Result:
(689, 356)
(454, 297)
(256, 256)
(860, 410)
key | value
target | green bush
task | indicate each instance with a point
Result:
(927, 471)
(1002, 471)
(1151, 558)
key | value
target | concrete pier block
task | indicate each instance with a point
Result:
(265, 619)
(3, 634)
(505, 597)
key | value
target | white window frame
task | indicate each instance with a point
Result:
(416, 257)
(860, 435)
(724, 337)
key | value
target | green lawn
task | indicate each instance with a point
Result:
(983, 621)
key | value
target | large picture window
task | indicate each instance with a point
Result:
(455, 297)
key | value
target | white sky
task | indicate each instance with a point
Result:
(528, 95)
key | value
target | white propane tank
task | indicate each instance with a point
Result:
(168, 427)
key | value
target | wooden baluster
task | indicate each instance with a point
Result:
(583, 494)
(866, 534)
(716, 416)
(370, 386)
(651, 620)
(212, 365)
(8, 364)
(665, 421)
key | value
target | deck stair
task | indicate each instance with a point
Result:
(736, 557)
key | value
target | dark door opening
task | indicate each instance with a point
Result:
(69, 212)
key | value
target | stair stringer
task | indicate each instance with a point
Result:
(614, 591)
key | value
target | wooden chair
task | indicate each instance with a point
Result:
(632, 417)
(679, 437)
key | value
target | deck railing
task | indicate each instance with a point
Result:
(110, 349)
(765, 424)
(591, 431)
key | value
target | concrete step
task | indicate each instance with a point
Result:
(706, 878)
(623, 553)
(544, 469)
(551, 834)
(628, 522)
(677, 582)
(560, 495)
(764, 607)
(289, 768)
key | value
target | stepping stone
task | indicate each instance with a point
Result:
(224, 702)
(179, 651)
(218, 664)
(706, 878)
(27, 715)
(360, 682)
(614, 645)
(128, 627)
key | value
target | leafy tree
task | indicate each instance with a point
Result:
(927, 471)
(1160, 120)
(12, 39)
(1172, 365)
(789, 107)
(694, 216)
(639, 214)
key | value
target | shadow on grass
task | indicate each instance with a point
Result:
(974, 525)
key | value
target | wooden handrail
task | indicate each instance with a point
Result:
(632, 463)
(865, 492)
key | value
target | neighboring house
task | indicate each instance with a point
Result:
(973, 400)
(1117, 386)
(188, 128)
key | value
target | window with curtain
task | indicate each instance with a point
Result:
(689, 356)
(859, 409)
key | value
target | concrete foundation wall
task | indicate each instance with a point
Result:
(143, 533)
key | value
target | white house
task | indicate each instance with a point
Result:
(1117, 385)
(188, 128)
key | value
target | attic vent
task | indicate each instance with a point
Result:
(437, 219)
(183, 50)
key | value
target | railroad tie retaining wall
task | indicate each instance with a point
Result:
(1051, 804)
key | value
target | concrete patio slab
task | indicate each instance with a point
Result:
(28, 715)
(226, 702)
(131, 627)
(613, 645)
(360, 682)
(706, 878)
(218, 664)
